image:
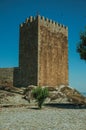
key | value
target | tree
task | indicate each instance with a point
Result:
(40, 94)
(81, 47)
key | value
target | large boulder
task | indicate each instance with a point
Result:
(11, 99)
(28, 93)
(69, 95)
(10, 95)
(7, 86)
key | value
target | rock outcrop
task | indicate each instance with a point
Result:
(61, 94)
(10, 95)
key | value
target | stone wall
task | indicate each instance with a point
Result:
(53, 55)
(43, 54)
(28, 55)
(6, 74)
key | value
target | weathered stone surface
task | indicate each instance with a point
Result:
(24, 96)
(6, 74)
(11, 99)
(8, 87)
(63, 94)
(53, 58)
(43, 55)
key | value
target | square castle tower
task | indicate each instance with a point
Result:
(43, 53)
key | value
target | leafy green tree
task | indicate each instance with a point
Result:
(81, 47)
(40, 94)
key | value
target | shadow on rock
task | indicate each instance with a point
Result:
(65, 106)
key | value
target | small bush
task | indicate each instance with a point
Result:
(40, 94)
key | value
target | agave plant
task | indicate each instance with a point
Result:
(40, 94)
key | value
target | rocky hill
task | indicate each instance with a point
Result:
(12, 96)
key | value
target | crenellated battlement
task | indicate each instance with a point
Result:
(51, 25)
(43, 54)
(44, 21)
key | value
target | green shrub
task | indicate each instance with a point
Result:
(40, 94)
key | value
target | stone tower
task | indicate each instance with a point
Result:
(43, 53)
